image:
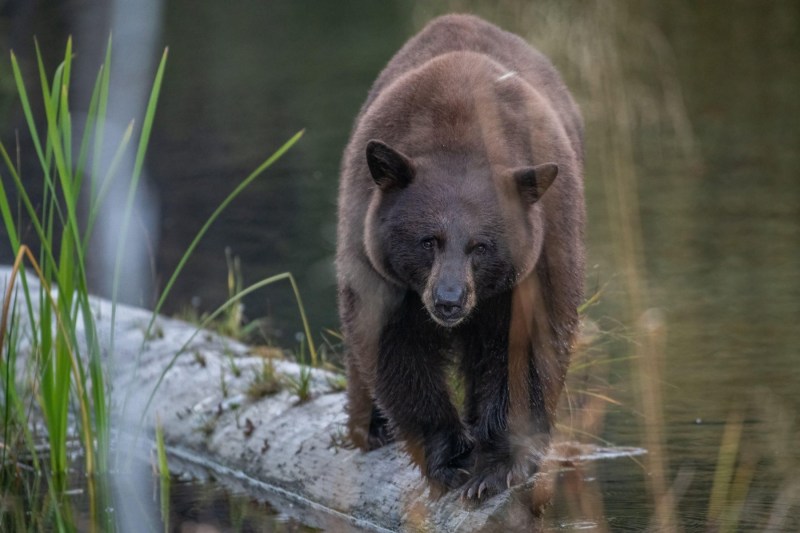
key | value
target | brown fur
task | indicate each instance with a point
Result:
(474, 125)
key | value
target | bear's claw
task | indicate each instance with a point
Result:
(493, 479)
(445, 479)
(486, 484)
(448, 458)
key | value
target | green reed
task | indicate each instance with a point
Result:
(64, 370)
(68, 369)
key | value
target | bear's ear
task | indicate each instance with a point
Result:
(532, 182)
(389, 168)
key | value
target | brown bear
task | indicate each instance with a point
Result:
(460, 239)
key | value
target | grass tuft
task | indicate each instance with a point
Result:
(300, 385)
(265, 382)
(63, 373)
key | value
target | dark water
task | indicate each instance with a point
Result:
(206, 507)
(692, 190)
(182, 504)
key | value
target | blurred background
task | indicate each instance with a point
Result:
(692, 191)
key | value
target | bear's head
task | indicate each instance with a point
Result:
(453, 228)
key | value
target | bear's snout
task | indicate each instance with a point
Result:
(448, 304)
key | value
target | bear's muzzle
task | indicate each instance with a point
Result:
(449, 304)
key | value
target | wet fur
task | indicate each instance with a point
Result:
(468, 103)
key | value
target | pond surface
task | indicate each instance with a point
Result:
(182, 504)
(693, 205)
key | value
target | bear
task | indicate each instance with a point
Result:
(460, 246)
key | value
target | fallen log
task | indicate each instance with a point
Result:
(233, 413)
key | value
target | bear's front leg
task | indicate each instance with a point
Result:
(367, 428)
(412, 391)
(504, 404)
(502, 462)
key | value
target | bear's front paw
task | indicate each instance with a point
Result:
(493, 478)
(379, 434)
(447, 459)
(445, 478)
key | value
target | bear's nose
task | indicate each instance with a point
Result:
(448, 301)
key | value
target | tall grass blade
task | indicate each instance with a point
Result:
(51, 390)
(105, 185)
(63, 105)
(26, 109)
(88, 128)
(102, 109)
(14, 409)
(58, 364)
(55, 141)
(5, 208)
(724, 472)
(144, 137)
(163, 474)
(257, 172)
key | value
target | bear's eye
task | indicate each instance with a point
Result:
(479, 249)
(428, 243)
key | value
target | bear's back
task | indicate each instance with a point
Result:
(453, 33)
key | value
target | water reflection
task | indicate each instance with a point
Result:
(97, 504)
(207, 508)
